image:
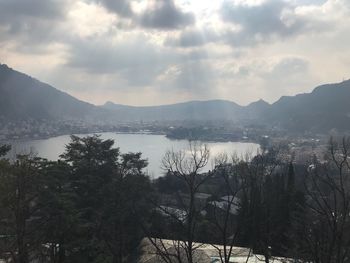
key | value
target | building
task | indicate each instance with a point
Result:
(151, 251)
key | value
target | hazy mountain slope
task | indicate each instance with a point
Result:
(193, 110)
(327, 107)
(256, 110)
(23, 97)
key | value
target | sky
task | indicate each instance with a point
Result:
(153, 52)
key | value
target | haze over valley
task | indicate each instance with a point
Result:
(27, 103)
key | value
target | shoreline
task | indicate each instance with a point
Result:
(6, 141)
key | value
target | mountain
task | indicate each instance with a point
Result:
(326, 107)
(256, 110)
(23, 97)
(192, 110)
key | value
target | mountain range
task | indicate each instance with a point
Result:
(326, 107)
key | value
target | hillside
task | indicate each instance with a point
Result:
(326, 107)
(322, 110)
(23, 97)
(193, 110)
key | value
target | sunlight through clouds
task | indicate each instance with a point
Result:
(178, 49)
(89, 19)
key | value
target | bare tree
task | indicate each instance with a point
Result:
(257, 203)
(328, 192)
(224, 212)
(187, 167)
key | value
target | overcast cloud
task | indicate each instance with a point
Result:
(148, 52)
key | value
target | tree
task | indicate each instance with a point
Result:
(127, 198)
(261, 203)
(109, 190)
(92, 164)
(223, 215)
(4, 149)
(59, 216)
(19, 188)
(186, 166)
(328, 219)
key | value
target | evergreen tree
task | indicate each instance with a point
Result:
(110, 190)
(4, 149)
(19, 188)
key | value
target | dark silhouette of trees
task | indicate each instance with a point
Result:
(268, 203)
(186, 167)
(4, 149)
(328, 200)
(108, 187)
(81, 208)
(19, 191)
(58, 213)
(96, 204)
(223, 214)
(127, 197)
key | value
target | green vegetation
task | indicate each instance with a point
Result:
(96, 204)
(79, 209)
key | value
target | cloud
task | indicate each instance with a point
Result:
(310, 2)
(21, 9)
(195, 77)
(288, 76)
(290, 66)
(120, 7)
(283, 76)
(164, 14)
(169, 50)
(265, 21)
(135, 59)
(192, 38)
(265, 18)
(269, 78)
(30, 23)
(270, 69)
(247, 24)
(20, 16)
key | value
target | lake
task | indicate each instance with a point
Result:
(153, 148)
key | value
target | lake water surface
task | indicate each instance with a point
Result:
(153, 148)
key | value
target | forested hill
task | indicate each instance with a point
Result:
(23, 97)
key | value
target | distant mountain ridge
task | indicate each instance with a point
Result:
(326, 107)
(192, 110)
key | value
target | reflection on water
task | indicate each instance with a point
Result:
(153, 148)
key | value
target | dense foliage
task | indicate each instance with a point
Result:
(96, 204)
(79, 209)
